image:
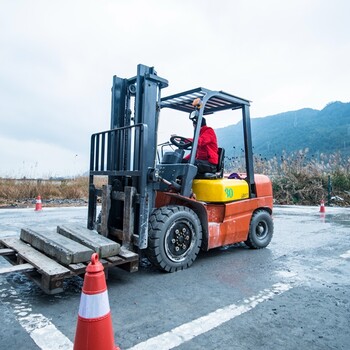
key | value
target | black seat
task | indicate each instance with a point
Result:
(219, 174)
(220, 168)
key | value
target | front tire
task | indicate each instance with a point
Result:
(260, 231)
(174, 238)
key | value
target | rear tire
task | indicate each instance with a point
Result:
(260, 231)
(174, 238)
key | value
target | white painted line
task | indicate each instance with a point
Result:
(40, 329)
(286, 274)
(346, 255)
(201, 325)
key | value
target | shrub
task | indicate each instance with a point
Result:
(299, 178)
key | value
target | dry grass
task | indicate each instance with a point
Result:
(302, 179)
(297, 179)
(26, 190)
(23, 189)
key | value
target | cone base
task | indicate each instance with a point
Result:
(92, 334)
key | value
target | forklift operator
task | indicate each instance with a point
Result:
(207, 149)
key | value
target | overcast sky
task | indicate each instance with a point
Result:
(58, 58)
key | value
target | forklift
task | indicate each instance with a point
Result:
(157, 206)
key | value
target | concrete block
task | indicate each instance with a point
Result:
(104, 246)
(62, 249)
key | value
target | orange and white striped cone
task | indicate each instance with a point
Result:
(94, 328)
(38, 205)
(322, 207)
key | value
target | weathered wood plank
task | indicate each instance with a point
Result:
(77, 266)
(115, 259)
(17, 268)
(48, 284)
(127, 254)
(36, 258)
(131, 266)
(6, 251)
(78, 269)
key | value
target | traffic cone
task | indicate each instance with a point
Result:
(322, 207)
(38, 205)
(94, 328)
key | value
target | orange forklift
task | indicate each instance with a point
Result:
(153, 204)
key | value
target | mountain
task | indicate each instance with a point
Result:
(325, 131)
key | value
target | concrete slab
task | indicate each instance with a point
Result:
(104, 246)
(62, 249)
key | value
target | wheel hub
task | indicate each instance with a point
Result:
(179, 241)
(261, 230)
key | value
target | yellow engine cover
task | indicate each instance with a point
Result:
(220, 190)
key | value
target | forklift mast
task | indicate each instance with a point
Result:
(125, 153)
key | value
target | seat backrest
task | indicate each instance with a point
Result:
(221, 159)
(219, 173)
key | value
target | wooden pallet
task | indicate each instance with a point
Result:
(48, 273)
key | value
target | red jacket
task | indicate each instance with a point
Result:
(207, 145)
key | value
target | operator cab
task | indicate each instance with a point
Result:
(185, 144)
(199, 103)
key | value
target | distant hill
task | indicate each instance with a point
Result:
(325, 131)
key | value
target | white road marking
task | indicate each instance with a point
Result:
(346, 255)
(201, 325)
(40, 329)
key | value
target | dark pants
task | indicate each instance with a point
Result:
(204, 166)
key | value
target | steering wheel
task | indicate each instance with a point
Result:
(181, 142)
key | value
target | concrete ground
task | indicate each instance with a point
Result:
(292, 295)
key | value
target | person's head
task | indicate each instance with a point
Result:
(204, 122)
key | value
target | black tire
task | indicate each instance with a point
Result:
(260, 231)
(174, 238)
